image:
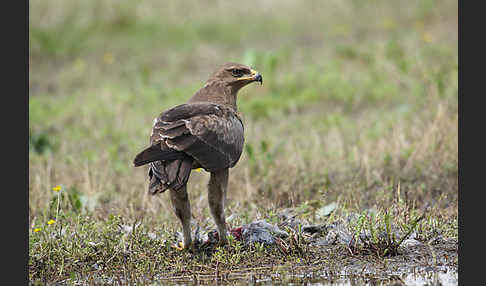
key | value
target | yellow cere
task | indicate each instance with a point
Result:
(197, 170)
(56, 188)
(51, 222)
(253, 73)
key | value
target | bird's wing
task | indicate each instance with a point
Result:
(212, 134)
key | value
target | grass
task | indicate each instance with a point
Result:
(357, 100)
(81, 247)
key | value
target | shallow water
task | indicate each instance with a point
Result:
(404, 275)
(446, 276)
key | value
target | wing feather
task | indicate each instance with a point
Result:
(212, 134)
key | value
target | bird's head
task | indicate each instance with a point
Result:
(236, 75)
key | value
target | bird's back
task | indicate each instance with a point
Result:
(212, 134)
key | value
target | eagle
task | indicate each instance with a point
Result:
(206, 132)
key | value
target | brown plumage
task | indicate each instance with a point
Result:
(206, 132)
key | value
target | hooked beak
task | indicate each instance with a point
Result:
(259, 78)
(254, 76)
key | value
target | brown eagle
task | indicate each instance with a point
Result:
(206, 132)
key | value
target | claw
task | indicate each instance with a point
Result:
(179, 246)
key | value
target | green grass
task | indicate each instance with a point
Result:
(77, 246)
(356, 99)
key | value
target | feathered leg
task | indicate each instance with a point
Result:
(182, 209)
(218, 183)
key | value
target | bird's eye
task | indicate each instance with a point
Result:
(236, 72)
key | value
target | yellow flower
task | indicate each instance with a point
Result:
(79, 65)
(419, 25)
(427, 37)
(340, 30)
(389, 23)
(37, 229)
(108, 58)
(56, 188)
(51, 221)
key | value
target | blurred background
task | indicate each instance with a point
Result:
(358, 96)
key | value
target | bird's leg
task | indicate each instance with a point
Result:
(218, 183)
(182, 209)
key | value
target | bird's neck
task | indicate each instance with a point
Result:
(216, 92)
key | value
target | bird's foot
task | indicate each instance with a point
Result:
(182, 246)
(179, 246)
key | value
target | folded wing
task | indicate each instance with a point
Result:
(210, 134)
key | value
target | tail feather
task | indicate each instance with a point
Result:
(184, 172)
(168, 168)
(172, 170)
(169, 175)
(155, 153)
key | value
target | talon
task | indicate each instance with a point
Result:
(179, 246)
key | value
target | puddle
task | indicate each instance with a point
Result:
(446, 276)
